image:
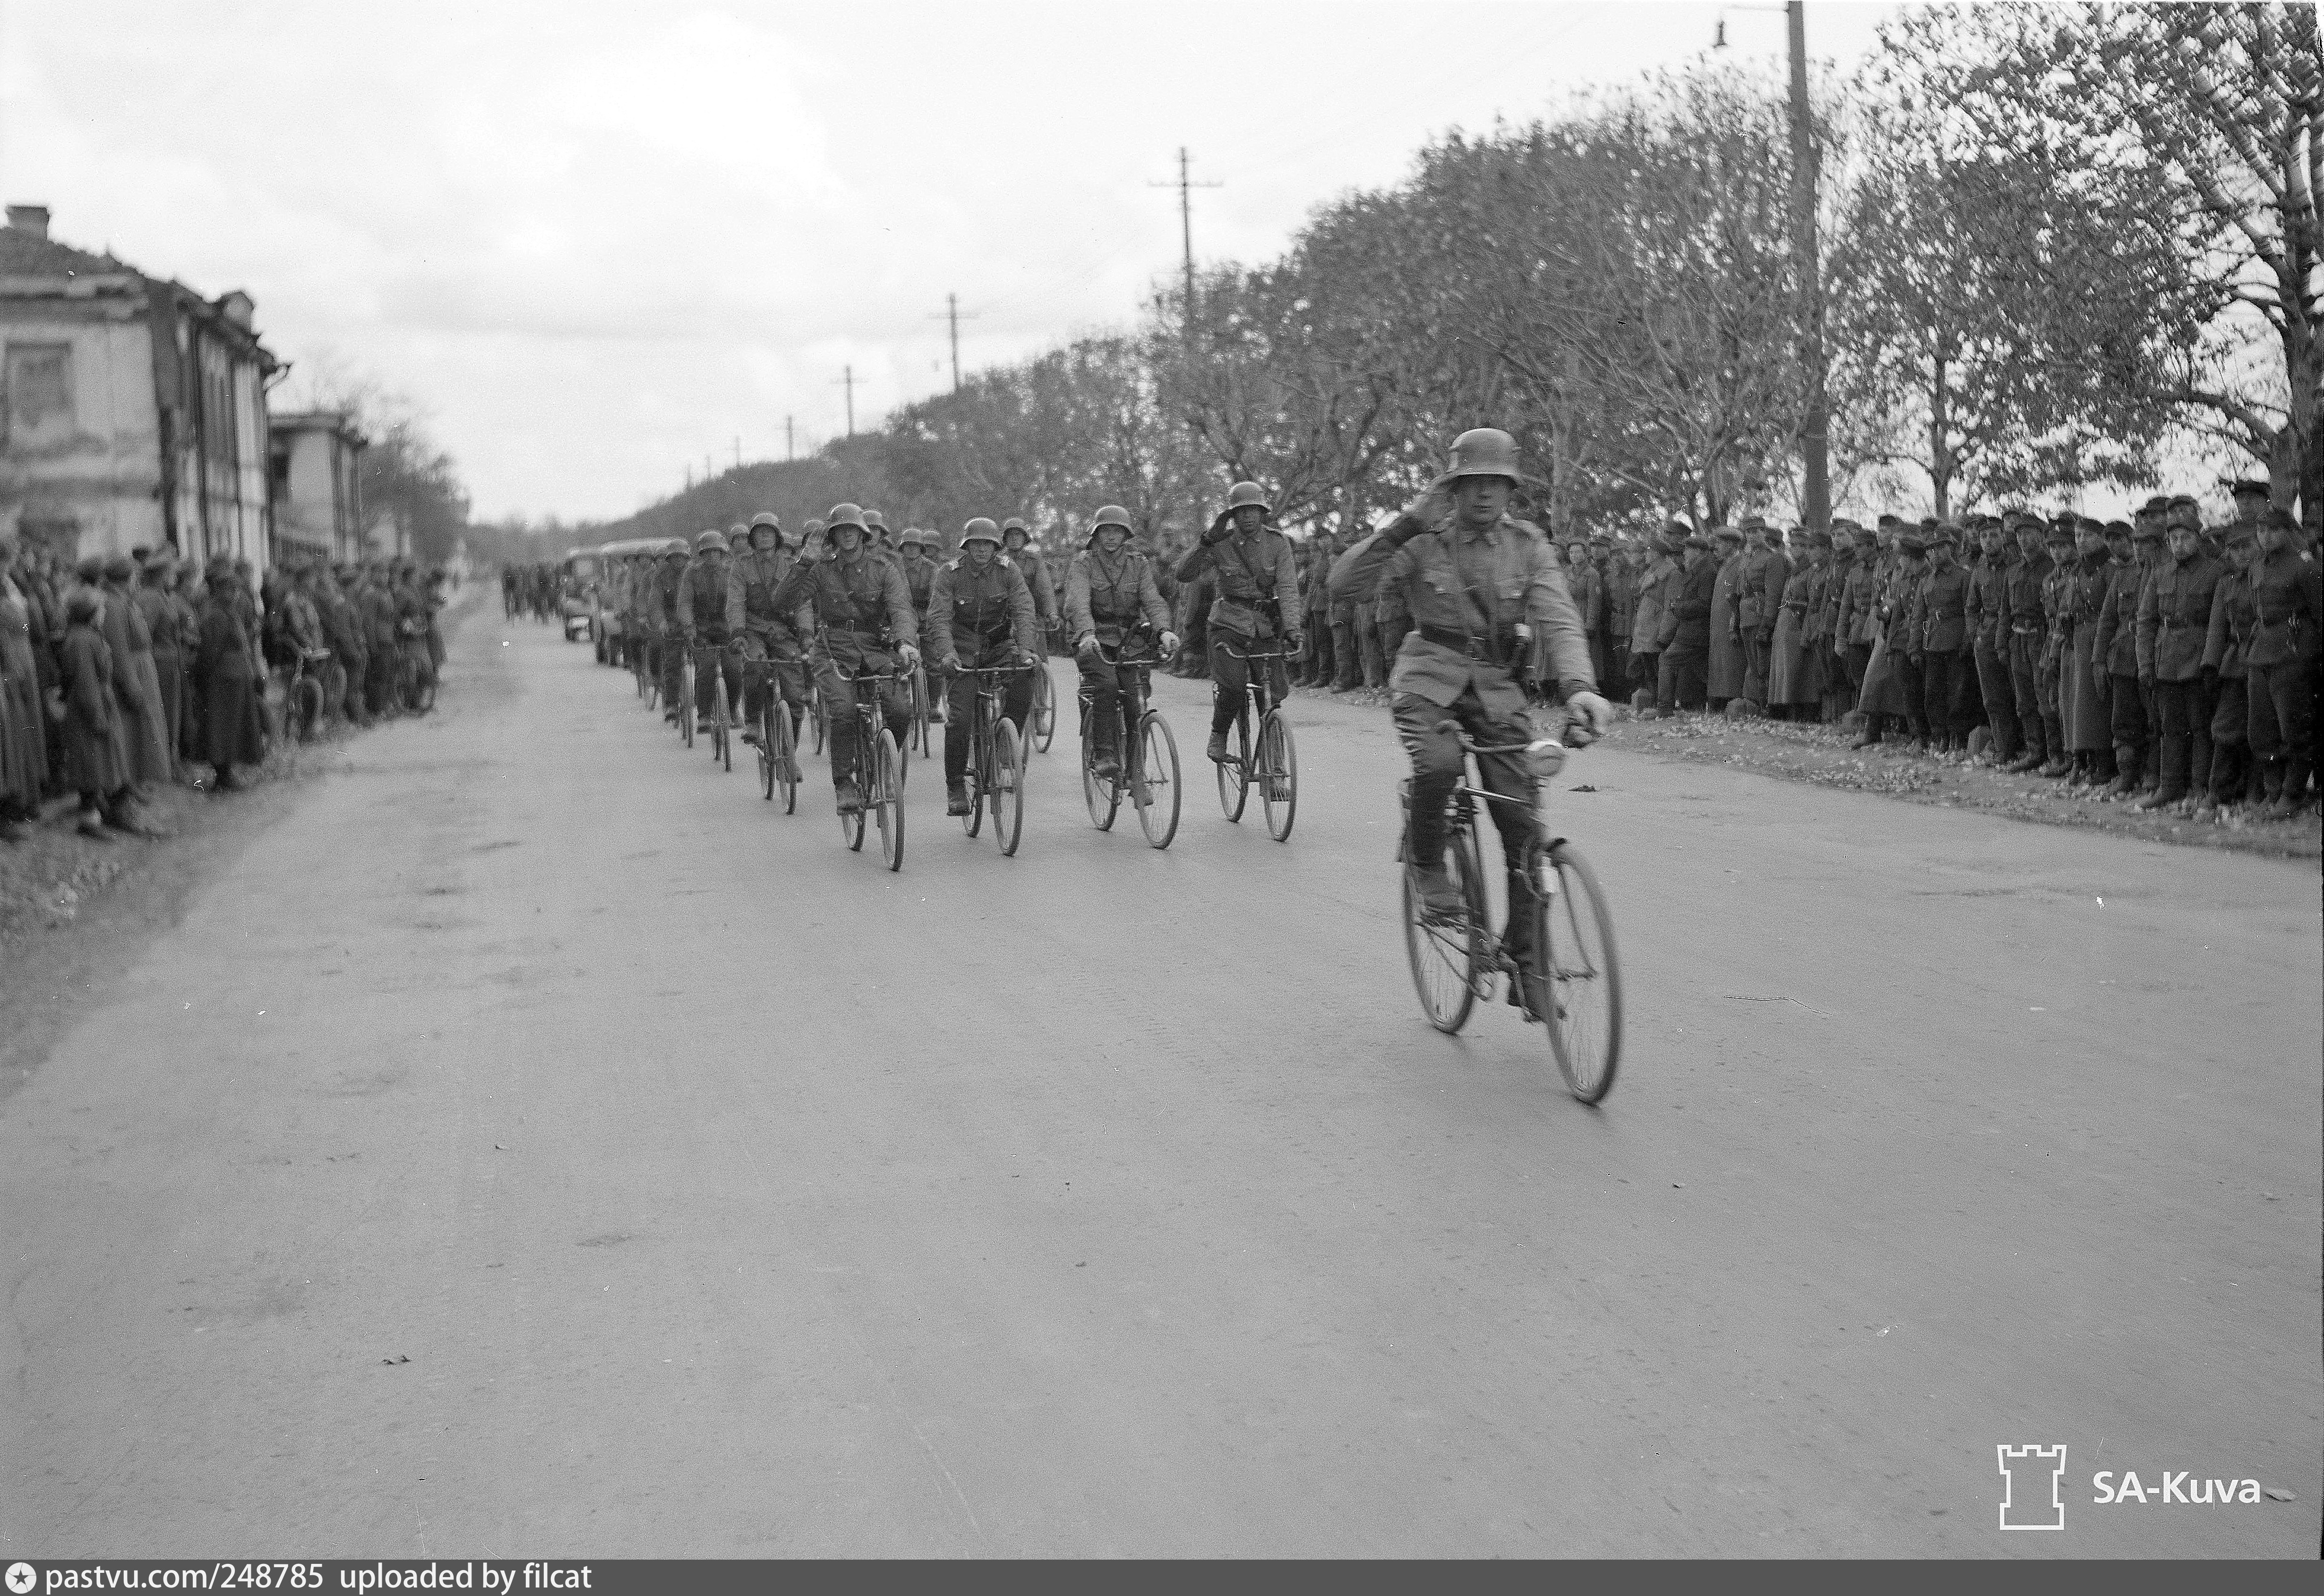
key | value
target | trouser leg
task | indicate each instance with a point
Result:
(1937, 693)
(1348, 673)
(1102, 687)
(1375, 663)
(1228, 675)
(1436, 770)
(2281, 730)
(2174, 707)
(1999, 693)
(2127, 718)
(959, 696)
(839, 705)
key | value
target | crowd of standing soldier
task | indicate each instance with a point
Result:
(2159, 662)
(119, 676)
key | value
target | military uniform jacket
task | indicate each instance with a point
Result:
(1118, 592)
(1687, 596)
(1621, 598)
(2229, 631)
(752, 580)
(2174, 617)
(1858, 604)
(1655, 589)
(2114, 650)
(1034, 572)
(972, 611)
(861, 598)
(1988, 602)
(1589, 592)
(2284, 605)
(702, 601)
(2087, 582)
(919, 576)
(1944, 612)
(1766, 573)
(1258, 583)
(1475, 586)
(2021, 586)
(1804, 601)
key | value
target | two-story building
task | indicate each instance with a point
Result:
(318, 485)
(133, 410)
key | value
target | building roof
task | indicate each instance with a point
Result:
(27, 254)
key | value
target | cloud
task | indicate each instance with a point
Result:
(595, 241)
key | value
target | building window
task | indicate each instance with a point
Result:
(37, 407)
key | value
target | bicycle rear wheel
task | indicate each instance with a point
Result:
(1447, 960)
(685, 703)
(1277, 774)
(1045, 708)
(889, 781)
(1102, 794)
(815, 714)
(1234, 771)
(307, 709)
(1008, 787)
(785, 738)
(1155, 789)
(1574, 939)
(722, 746)
(973, 822)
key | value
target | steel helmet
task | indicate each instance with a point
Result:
(765, 522)
(706, 541)
(1111, 515)
(1484, 451)
(875, 522)
(1248, 493)
(674, 548)
(911, 537)
(737, 533)
(981, 528)
(848, 515)
(1017, 525)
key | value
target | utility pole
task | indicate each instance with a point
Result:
(848, 382)
(738, 451)
(1814, 442)
(1185, 186)
(952, 315)
(1815, 461)
(790, 440)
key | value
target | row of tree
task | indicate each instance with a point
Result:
(2058, 246)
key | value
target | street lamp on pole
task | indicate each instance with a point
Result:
(1815, 506)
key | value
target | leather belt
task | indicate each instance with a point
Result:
(1462, 642)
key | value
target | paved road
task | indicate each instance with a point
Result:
(729, 1195)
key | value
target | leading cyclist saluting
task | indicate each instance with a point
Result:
(1482, 584)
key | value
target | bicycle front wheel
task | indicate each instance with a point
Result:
(1006, 784)
(1234, 772)
(1447, 959)
(815, 714)
(1155, 785)
(1102, 794)
(890, 783)
(784, 739)
(1277, 774)
(979, 748)
(686, 704)
(1573, 943)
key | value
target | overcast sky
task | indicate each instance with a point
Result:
(597, 241)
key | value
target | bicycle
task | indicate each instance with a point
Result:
(878, 774)
(1146, 765)
(922, 701)
(996, 760)
(1275, 767)
(1454, 962)
(685, 695)
(416, 675)
(778, 742)
(303, 698)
